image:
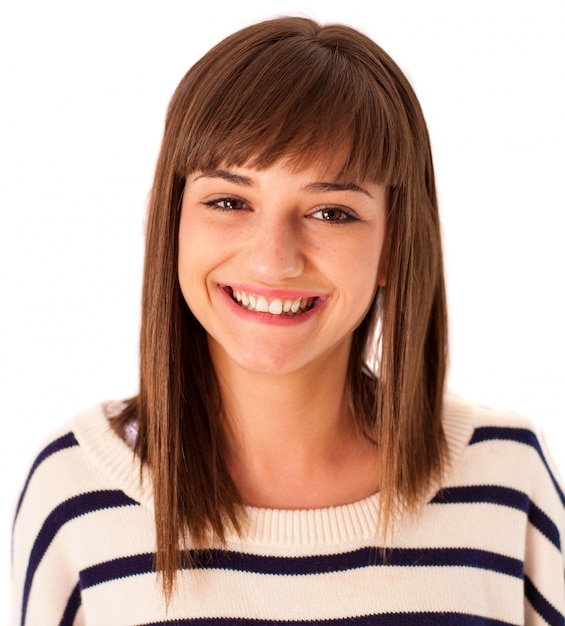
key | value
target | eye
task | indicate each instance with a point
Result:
(227, 204)
(333, 214)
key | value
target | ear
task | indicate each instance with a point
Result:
(381, 282)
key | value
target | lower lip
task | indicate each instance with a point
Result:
(258, 317)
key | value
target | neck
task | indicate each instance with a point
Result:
(291, 439)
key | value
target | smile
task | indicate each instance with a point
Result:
(274, 306)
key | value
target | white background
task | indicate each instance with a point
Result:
(84, 88)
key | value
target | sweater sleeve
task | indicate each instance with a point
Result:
(44, 581)
(544, 562)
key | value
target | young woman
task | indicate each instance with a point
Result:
(290, 456)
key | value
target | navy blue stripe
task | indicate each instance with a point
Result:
(520, 435)
(302, 566)
(62, 443)
(491, 494)
(72, 608)
(544, 524)
(549, 613)
(117, 568)
(365, 557)
(65, 512)
(503, 496)
(388, 619)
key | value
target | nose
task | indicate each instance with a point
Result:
(275, 251)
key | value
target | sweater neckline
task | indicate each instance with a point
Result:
(330, 525)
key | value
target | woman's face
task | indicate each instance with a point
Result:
(280, 267)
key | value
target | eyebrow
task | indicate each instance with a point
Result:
(315, 187)
(332, 186)
(229, 177)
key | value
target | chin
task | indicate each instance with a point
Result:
(262, 360)
(268, 365)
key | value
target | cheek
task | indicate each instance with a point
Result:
(366, 263)
(201, 250)
(191, 261)
(194, 246)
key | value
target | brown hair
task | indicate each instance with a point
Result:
(292, 87)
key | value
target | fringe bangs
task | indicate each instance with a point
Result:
(303, 98)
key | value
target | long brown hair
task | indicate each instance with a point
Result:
(290, 87)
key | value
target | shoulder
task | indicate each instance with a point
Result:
(512, 435)
(472, 423)
(82, 456)
(82, 467)
(83, 485)
(510, 441)
(509, 491)
(506, 458)
(526, 477)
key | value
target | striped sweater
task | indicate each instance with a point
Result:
(487, 550)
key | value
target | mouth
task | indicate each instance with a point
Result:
(288, 307)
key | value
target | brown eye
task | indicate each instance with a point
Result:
(227, 204)
(232, 204)
(333, 214)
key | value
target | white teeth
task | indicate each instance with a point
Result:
(276, 307)
(261, 304)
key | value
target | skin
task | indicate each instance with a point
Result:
(285, 236)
